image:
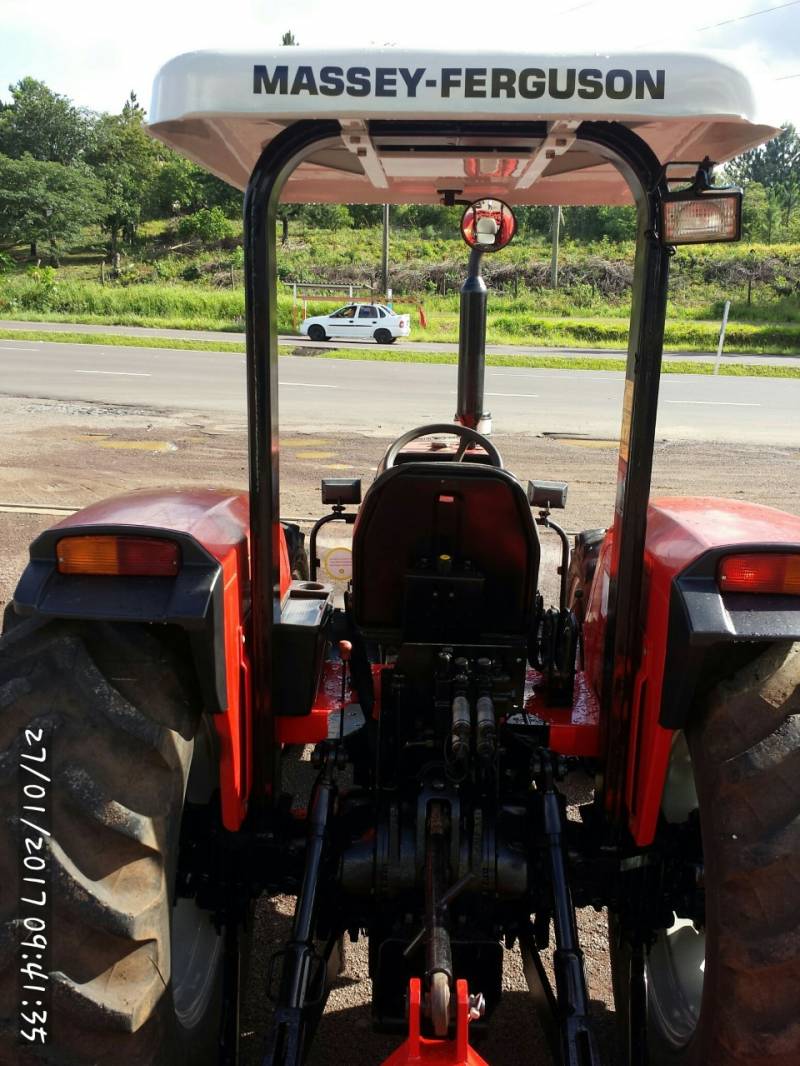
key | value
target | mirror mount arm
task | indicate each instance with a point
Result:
(475, 262)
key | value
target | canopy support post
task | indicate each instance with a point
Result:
(260, 218)
(644, 174)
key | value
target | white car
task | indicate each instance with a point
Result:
(358, 320)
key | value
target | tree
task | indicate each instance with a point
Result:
(288, 39)
(760, 213)
(47, 203)
(176, 188)
(287, 212)
(595, 223)
(365, 214)
(43, 124)
(209, 224)
(125, 158)
(775, 165)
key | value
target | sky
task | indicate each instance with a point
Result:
(97, 51)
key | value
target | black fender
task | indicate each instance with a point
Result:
(191, 600)
(707, 625)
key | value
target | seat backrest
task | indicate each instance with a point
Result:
(477, 517)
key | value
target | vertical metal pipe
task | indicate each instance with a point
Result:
(260, 217)
(385, 252)
(472, 348)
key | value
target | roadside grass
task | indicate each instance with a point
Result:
(223, 312)
(554, 362)
(399, 355)
(116, 340)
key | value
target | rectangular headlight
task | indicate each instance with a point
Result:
(701, 218)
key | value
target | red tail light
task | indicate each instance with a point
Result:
(134, 556)
(760, 572)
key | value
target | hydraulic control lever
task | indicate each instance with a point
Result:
(558, 641)
(485, 718)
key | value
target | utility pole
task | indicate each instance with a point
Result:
(556, 226)
(385, 257)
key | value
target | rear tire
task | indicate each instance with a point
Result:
(135, 979)
(317, 333)
(728, 995)
(383, 336)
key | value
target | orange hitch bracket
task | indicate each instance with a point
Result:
(421, 1049)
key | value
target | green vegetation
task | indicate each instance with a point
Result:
(400, 355)
(566, 318)
(116, 340)
(100, 223)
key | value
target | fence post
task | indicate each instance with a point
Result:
(722, 335)
(556, 227)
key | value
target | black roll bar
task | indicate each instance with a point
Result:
(641, 168)
(274, 166)
(645, 177)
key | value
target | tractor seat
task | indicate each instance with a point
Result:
(445, 552)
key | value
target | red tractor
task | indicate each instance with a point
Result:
(160, 660)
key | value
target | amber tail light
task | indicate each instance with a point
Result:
(132, 556)
(763, 572)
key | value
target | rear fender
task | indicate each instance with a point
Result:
(208, 598)
(690, 625)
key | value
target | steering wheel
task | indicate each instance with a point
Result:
(465, 435)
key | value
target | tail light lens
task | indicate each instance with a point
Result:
(132, 556)
(760, 572)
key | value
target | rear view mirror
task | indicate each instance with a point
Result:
(549, 494)
(488, 225)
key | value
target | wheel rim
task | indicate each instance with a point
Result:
(196, 947)
(676, 963)
(197, 954)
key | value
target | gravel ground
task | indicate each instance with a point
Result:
(67, 455)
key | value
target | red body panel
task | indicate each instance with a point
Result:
(218, 519)
(313, 727)
(574, 730)
(679, 530)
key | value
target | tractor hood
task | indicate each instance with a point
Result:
(222, 109)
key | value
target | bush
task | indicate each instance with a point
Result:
(209, 224)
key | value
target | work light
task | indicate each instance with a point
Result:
(700, 213)
(702, 218)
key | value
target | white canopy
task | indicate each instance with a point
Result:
(222, 109)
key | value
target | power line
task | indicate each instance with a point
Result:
(750, 15)
(787, 77)
(577, 7)
(728, 22)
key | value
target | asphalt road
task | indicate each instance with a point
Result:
(370, 345)
(384, 398)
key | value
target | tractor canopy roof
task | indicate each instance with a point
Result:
(221, 109)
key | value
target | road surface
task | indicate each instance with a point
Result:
(384, 398)
(371, 346)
